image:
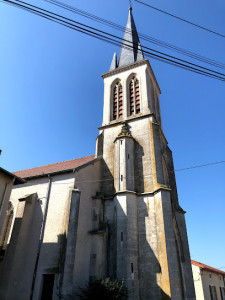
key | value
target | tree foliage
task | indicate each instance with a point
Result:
(105, 289)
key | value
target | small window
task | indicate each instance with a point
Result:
(213, 294)
(47, 286)
(222, 293)
(132, 267)
(210, 275)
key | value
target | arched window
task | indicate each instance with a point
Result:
(134, 96)
(6, 230)
(117, 101)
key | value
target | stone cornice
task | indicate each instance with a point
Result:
(125, 192)
(125, 68)
(128, 120)
(161, 188)
(131, 66)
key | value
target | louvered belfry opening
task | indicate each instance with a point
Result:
(134, 96)
(117, 101)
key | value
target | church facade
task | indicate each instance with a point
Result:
(115, 213)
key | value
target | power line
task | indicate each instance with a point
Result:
(176, 17)
(142, 36)
(150, 174)
(201, 166)
(113, 39)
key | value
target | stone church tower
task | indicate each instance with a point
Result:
(113, 214)
(148, 243)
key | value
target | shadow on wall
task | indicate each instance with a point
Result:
(22, 266)
(136, 260)
(107, 179)
(138, 167)
(149, 266)
(16, 269)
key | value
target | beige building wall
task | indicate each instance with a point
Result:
(198, 283)
(203, 279)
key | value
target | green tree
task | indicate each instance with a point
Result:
(105, 289)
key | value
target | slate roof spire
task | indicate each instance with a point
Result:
(113, 65)
(130, 51)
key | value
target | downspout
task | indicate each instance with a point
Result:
(41, 235)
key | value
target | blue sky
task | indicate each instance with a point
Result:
(51, 98)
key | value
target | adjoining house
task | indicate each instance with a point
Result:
(209, 282)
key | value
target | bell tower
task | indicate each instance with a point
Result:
(147, 244)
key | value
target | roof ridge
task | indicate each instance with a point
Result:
(207, 266)
(53, 163)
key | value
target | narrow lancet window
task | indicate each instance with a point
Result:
(134, 97)
(117, 101)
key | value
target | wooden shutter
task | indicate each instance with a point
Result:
(137, 96)
(132, 98)
(120, 90)
(117, 101)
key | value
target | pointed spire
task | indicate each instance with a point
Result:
(113, 65)
(131, 48)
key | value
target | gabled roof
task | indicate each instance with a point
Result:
(206, 267)
(59, 167)
(130, 49)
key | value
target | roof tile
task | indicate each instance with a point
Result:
(53, 168)
(203, 266)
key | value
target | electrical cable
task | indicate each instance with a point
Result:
(181, 19)
(142, 36)
(108, 34)
(150, 174)
(60, 19)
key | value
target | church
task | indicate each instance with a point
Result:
(113, 214)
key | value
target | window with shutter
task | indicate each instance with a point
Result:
(222, 293)
(213, 294)
(134, 96)
(117, 101)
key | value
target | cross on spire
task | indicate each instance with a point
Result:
(130, 3)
